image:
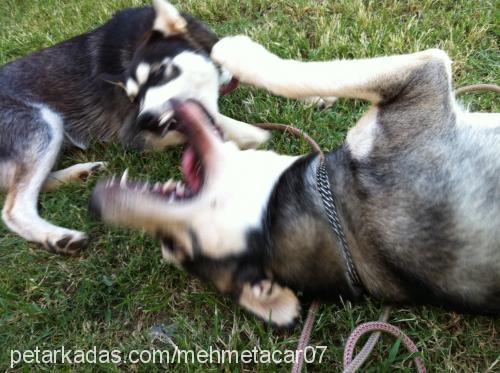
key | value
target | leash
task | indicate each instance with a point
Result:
(477, 88)
(350, 364)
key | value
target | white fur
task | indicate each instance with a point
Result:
(479, 120)
(198, 80)
(132, 88)
(244, 135)
(361, 137)
(142, 73)
(237, 187)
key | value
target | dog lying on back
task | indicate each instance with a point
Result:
(113, 83)
(416, 187)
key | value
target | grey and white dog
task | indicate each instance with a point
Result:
(416, 184)
(113, 83)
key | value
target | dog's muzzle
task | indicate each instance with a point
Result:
(157, 123)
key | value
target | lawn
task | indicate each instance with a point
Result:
(116, 292)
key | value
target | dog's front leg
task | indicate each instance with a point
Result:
(76, 173)
(243, 134)
(373, 79)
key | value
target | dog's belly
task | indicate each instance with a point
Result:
(431, 212)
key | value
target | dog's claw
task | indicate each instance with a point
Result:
(63, 242)
(90, 169)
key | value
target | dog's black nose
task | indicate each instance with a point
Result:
(149, 122)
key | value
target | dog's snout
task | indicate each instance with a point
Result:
(148, 121)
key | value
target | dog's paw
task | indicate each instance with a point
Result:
(82, 171)
(243, 58)
(321, 103)
(66, 242)
(251, 138)
(271, 302)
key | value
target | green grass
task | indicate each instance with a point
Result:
(118, 289)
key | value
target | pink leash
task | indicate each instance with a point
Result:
(375, 327)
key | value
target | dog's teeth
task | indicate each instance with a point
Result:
(180, 189)
(123, 181)
(168, 185)
(165, 118)
(157, 187)
(171, 198)
(145, 187)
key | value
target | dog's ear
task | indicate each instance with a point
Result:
(168, 19)
(270, 301)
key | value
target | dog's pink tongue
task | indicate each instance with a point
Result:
(188, 168)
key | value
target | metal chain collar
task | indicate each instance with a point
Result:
(328, 199)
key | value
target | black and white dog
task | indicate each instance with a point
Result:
(113, 83)
(416, 186)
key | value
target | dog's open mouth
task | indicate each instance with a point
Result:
(171, 191)
(200, 130)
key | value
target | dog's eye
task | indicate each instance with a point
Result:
(172, 71)
(158, 71)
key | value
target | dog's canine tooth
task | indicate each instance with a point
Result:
(168, 185)
(180, 189)
(164, 118)
(123, 180)
(145, 186)
(157, 187)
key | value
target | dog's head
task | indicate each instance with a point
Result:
(170, 61)
(207, 223)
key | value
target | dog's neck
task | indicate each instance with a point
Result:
(304, 251)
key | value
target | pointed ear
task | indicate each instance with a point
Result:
(168, 19)
(270, 301)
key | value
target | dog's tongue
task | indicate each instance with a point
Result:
(189, 169)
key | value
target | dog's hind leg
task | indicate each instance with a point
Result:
(374, 79)
(39, 142)
(76, 173)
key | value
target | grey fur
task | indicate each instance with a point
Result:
(420, 206)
